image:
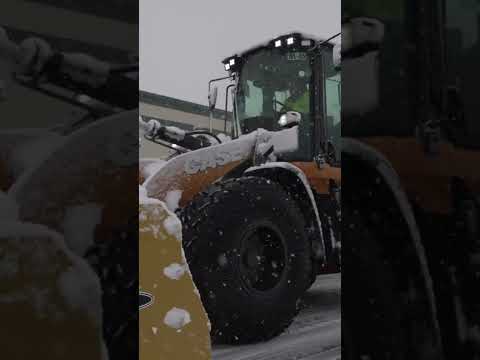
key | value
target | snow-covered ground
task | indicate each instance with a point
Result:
(315, 333)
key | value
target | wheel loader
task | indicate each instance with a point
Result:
(411, 190)
(260, 207)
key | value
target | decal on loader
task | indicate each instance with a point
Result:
(145, 299)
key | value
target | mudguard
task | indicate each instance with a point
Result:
(173, 322)
(382, 165)
(298, 173)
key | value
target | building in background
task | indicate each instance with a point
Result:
(175, 112)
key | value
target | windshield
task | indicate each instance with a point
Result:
(272, 83)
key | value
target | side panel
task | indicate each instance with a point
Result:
(374, 159)
(320, 178)
(427, 179)
(194, 171)
(298, 174)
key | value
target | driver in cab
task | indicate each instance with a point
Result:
(299, 99)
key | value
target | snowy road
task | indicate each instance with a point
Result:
(315, 333)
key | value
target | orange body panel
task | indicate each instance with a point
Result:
(320, 178)
(427, 178)
(190, 184)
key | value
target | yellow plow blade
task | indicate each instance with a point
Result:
(173, 323)
(50, 299)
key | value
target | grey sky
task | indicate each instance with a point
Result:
(182, 42)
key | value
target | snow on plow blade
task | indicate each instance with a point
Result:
(173, 322)
(45, 286)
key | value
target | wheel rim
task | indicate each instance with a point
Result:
(262, 258)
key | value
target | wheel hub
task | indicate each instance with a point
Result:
(263, 258)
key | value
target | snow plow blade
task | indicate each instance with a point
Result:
(173, 323)
(45, 286)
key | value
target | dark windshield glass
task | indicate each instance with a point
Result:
(272, 83)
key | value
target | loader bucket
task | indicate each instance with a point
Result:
(45, 286)
(173, 323)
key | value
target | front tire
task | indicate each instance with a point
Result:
(249, 254)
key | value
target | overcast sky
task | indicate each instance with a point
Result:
(182, 42)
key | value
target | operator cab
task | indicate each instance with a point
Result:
(291, 73)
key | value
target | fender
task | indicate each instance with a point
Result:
(266, 170)
(375, 159)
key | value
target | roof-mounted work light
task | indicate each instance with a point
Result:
(288, 41)
(231, 63)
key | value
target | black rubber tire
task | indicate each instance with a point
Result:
(115, 260)
(381, 323)
(215, 225)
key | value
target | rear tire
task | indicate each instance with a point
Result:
(384, 310)
(115, 261)
(246, 243)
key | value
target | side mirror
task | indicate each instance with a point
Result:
(212, 98)
(362, 34)
(290, 119)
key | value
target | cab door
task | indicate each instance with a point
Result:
(331, 83)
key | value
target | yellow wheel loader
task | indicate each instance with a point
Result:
(260, 208)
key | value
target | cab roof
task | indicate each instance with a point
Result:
(269, 43)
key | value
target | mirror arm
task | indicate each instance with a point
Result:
(210, 106)
(226, 104)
